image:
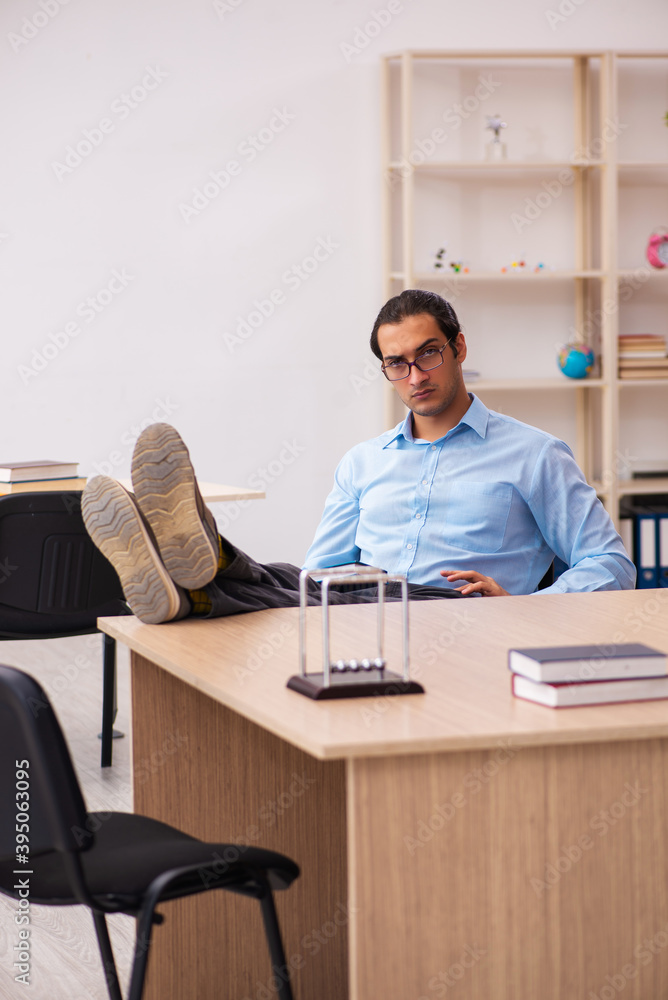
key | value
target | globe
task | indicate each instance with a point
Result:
(576, 360)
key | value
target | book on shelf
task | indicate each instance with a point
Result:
(43, 485)
(38, 469)
(641, 338)
(593, 693)
(640, 354)
(643, 372)
(583, 664)
(643, 362)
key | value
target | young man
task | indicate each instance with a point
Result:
(454, 493)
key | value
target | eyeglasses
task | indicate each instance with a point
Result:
(396, 370)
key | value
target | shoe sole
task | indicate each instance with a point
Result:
(116, 528)
(166, 490)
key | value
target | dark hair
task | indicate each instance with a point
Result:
(414, 302)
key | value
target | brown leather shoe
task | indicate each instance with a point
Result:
(115, 523)
(166, 490)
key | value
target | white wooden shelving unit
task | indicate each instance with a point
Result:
(587, 145)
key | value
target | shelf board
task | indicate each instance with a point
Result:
(627, 487)
(653, 173)
(533, 384)
(601, 490)
(447, 274)
(647, 272)
(485, 166)
(482, 54)
(641, 164)
(641, 381)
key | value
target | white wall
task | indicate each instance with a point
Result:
(158, 350)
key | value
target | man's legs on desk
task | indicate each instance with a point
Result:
(171, 561)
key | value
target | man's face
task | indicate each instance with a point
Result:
(425, 393)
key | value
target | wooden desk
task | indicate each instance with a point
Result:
(460, 842)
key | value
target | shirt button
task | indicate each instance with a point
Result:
(409, 546)
(433, 447)
(418, 515)
(424, 482)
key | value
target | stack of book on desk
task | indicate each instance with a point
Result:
(566, 676)
(39, 476)
(642, 355)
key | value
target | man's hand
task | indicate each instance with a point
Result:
(478, 584)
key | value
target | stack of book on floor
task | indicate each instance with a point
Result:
(39, 476)
(642, 355)
(566, 676)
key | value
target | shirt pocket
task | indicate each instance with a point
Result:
(476, 515)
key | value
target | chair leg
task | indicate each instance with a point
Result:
(145, 921)
(108, 697)
(107, 955)
(273, 932)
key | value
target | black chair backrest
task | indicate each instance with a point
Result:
(34, 758)
(548, 577)
(50, 568)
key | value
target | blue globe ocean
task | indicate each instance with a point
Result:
(576, 360)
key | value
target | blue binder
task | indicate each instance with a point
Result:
(662, 548)
(646, 544)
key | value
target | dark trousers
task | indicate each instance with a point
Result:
(246, 585)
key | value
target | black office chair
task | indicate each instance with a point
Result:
(548, 577)
(129, 865)
(54, 582)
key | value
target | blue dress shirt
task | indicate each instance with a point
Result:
(493, 495)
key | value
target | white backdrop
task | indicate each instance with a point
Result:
(190, 225)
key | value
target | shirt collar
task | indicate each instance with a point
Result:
(476, 417)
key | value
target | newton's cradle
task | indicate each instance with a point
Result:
(363, 677)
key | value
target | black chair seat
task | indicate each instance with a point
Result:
(108, 861)
(130, 851)
(16, 623)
